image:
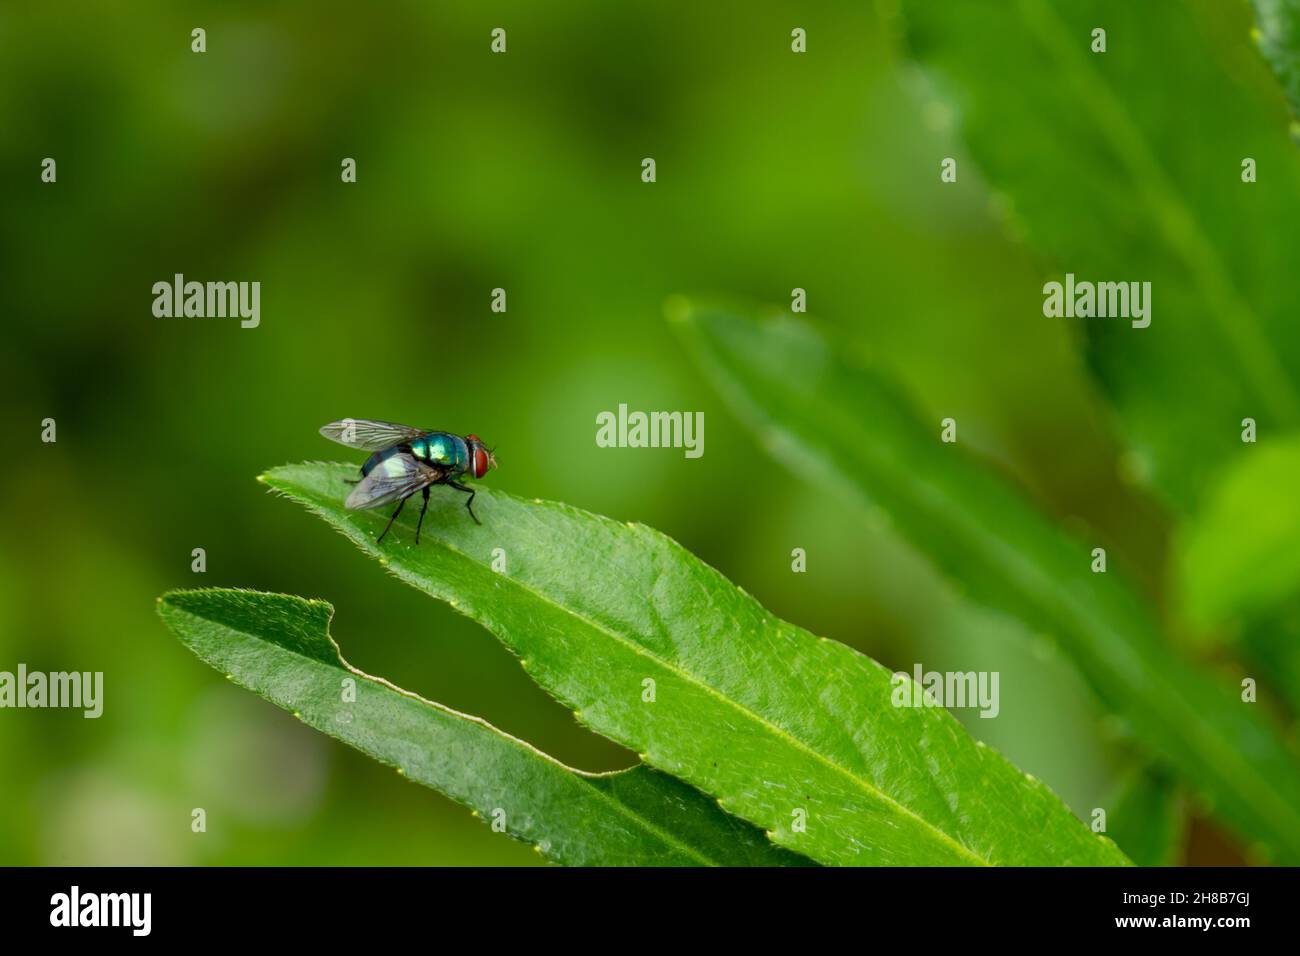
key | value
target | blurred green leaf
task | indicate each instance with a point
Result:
(279, 646)
(1236, 565)
(835, 417)
(797, 734)
(1240, 554)
(1117, 180)
(1273, 645)
(1277, 32)
(1147, 817)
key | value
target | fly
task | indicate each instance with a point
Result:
(405, 460)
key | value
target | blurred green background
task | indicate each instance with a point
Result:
(475, 171)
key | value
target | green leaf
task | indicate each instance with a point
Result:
(1115, 179)
(1147, 817)
(280, 647)
(797, 734)
(1272, 644)
(1277, 33)
(836, 417)
(1236, 565)
(1240, 554)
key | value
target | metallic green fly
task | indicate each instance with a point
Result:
(407, 460)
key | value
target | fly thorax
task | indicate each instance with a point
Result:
(443, 449)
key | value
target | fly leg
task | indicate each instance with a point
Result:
(469, 501)
(354, 481)
(423, 508)
(392, 519)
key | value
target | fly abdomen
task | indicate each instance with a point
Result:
(382, 455)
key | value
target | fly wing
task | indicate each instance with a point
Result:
(396, 477)
(369, 435)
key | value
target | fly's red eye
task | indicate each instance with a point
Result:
(480, 461)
